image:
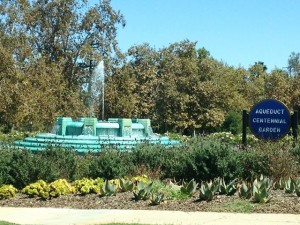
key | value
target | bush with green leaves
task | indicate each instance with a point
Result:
(110, 164)
(22, 168)
(233, 122)
(86, 186)
(7, 191)
(60, 187)
(39, 188)
(200, 158)
(56, 163)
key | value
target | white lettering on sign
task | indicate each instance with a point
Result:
(269, 111)
(269, 129)
(268, 120)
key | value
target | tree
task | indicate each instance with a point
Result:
(176, 72)
(9, 89)
(144, 63)
(278, 85)
(120, 98)
(45, 95)
(258, 69)
(62, 31)
(294, 64)
(51, 45)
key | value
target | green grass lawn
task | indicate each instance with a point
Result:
(6, 223)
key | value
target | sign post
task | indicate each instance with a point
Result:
(269, 120)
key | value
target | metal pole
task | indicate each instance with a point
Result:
(244, 128)
(295, 125)
(103, 97)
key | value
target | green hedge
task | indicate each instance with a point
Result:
(199, 158)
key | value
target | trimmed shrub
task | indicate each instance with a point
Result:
(111, 164)
(56, 163)
(233, 122)
(21, 170)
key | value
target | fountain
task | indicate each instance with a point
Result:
(90, 135)
(87, 134)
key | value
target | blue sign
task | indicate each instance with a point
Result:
(269, 120)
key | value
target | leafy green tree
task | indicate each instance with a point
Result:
(51, 45)
(177, 73)
(259, 68)
(45, 95)
(278, 86)
(120, 98)
(63, 30)
(9, 89)
(294, 64)
(255, 85)
(233, 122)
(295, 94)
(143, 61)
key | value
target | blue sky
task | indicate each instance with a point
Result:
(237, 32)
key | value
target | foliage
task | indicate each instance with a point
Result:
(171, 190)
(7, 191)
(111, 163)
(144, 178)
(86, 186)
(294, 63)
(200, 158)
(13, 136)
(233, 122)
(189, 188)
(142, 191)
(60, 187)
(108, 189)
(126, 185)
(245, 190)
(55, 163)
(207, 191)
(224, 188)
(280, 184)
(21, 169)
(290, 186)
(157, 198)
(282, 162)
(48, 48)
(54, 189)
(260, 190)
(156, 191)
(39, 188)
(297, 187)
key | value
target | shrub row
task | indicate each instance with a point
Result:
(199, 158)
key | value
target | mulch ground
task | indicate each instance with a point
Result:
(280, 203)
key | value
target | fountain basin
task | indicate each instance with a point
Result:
(91, 135)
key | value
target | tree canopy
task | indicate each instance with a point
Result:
(48, 50)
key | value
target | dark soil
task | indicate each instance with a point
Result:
(280, 203)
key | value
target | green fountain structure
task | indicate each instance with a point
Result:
(88, 134)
